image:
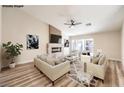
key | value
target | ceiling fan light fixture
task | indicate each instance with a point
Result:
(72, 23)
(88, 24)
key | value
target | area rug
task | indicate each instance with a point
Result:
(78, 66)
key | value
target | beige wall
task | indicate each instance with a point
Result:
(0, 36)
(16, 25)
(123, 43)
(109, 42)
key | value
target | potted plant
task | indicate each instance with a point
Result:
(12, 51)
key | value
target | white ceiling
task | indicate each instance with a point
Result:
(103, 18)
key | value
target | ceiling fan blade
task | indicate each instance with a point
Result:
(66, 24)
(78, 23)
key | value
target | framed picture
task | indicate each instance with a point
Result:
(32, 41)
(66, 43)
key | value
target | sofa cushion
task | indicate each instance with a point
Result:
(59, 62)
(95, 60)
(47, 59)
(42, 57)
(51, 61)
(101, 60)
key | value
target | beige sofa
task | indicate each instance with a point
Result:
(98, 70)
(52, 72)
(95, 66)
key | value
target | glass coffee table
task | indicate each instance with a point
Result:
(72, 59)
(85, 78)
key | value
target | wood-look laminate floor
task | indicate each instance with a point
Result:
(114, 76)
(27, 75)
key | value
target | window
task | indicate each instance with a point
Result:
(82, 45)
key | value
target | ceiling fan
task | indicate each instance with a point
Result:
(72, 23)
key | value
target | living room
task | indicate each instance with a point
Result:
(59, 31)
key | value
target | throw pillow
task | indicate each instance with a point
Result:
(101, 60)
(97, 54)
(95, 60)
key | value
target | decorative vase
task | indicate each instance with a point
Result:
(12, 65)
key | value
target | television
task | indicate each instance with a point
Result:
(55, 38)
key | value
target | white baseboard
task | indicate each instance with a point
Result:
(23, 62)
(114, 59)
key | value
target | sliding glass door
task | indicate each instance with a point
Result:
(83, 45)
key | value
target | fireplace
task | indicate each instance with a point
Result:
(55, 49)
